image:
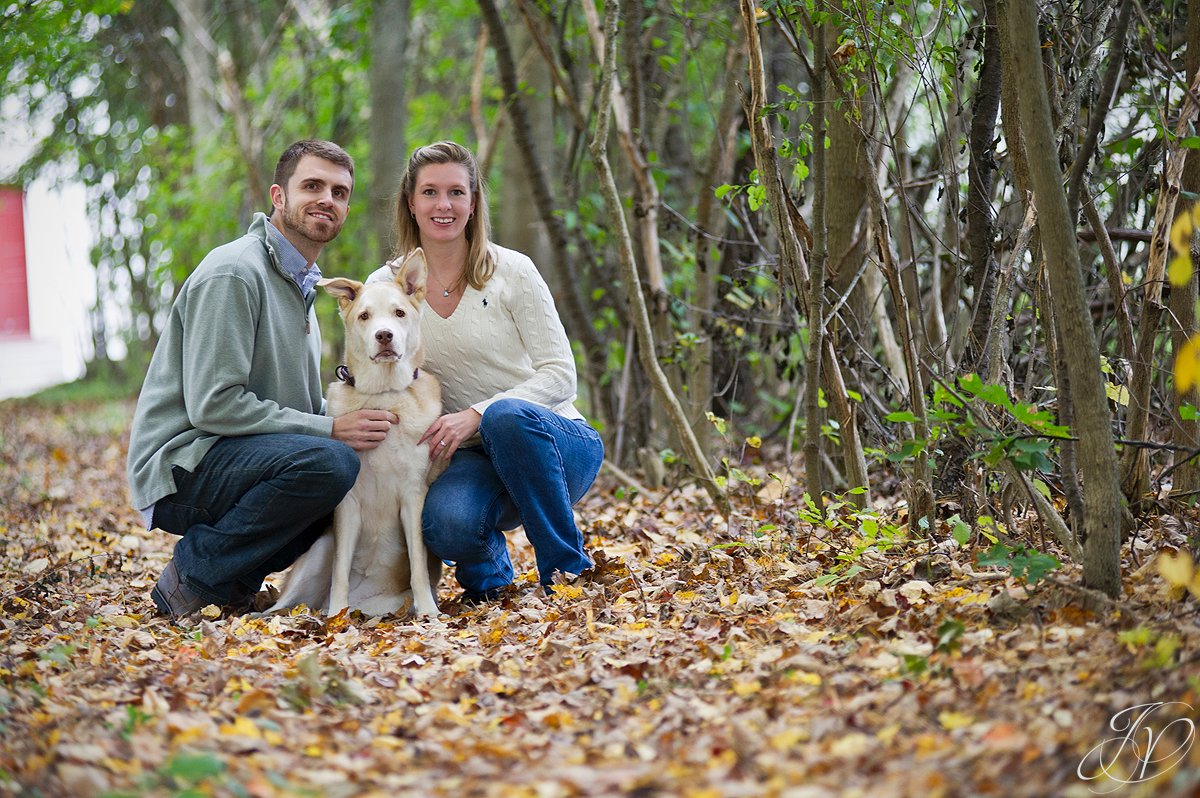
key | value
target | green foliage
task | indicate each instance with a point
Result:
(1158, 649)
(993, 424)
(864, 530)
(191, 770)
(1027, 564)
(949, 634)
(135, 718)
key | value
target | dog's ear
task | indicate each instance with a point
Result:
(342, 288)
(413, 274)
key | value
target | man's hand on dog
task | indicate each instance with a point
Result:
(363, 430)
(446, 434)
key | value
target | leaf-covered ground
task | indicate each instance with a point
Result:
(706, 660)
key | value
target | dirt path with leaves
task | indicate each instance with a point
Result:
(701, 663)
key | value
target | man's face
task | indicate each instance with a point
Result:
(312, 208)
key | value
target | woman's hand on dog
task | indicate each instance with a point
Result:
(445, 435)
(363, 430)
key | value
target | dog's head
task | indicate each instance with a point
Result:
(383, 323)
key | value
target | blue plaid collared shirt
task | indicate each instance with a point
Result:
(293, 263)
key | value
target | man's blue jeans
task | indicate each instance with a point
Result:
(533, 466)
(252, 507)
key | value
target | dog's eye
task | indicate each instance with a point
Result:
(364, 316)
(400, 313)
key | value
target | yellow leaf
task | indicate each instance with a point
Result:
(1180, 573)
(1178, 569)
(1179, 270)
(804, 677)
(975, 598)
(1181, 232)
(567, 591)
(888, 733)
(844, 53)
(852, 745)
(187, 736)
(754, 442)
(558, 720)
(1186, 362)
(788, 738)
(954, 720)
(212, 612)
(1030, 690)
(747, 688)
(255, 700)
(242, 727)
(1117, 393)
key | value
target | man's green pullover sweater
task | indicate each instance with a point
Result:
(240, 355)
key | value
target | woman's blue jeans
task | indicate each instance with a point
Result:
(252, 507)
(532, 467)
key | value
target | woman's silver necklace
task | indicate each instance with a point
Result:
(445, 290)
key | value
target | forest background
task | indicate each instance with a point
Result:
(904, 291)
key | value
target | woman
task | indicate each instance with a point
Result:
(519, 451)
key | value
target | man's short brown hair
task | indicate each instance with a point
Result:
(322, 149)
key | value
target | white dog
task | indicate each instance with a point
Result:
(374, 559)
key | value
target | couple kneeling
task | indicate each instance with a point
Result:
(231, 448)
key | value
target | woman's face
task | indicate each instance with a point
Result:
(442, 202)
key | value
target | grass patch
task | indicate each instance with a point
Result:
(88, 390)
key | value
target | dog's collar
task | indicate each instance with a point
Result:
(342, 372)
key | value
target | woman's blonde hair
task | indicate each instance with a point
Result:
(480, 262)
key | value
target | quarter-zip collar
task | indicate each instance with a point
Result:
(289, 264)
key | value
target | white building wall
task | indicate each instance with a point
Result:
(61, 289)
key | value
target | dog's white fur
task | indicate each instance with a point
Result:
(374, 559)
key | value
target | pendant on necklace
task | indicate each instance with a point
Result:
(445, 293)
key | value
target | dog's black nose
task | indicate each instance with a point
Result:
(384, 336)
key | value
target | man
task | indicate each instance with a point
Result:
(229, 447)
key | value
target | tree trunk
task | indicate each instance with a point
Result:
(847, 221)
(598, 148)
(1097, 455)
(1186, 434)
(816, 284)
(576, 315)
(983, 267)
(517, 221)
(390, 22)
(196, 50)
(706, 238)
(646, 203)
(1136, 462)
